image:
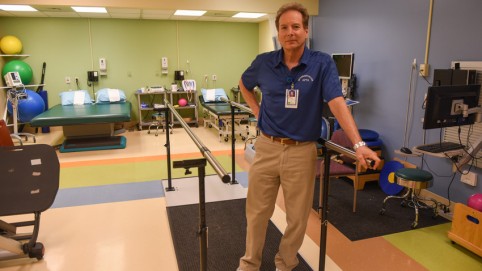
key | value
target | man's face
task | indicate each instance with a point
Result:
(291, 33)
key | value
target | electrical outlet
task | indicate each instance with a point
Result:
(214, 77)
(67, 79)
(424, 70)
(469, 178)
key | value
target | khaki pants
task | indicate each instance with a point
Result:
(292, 167)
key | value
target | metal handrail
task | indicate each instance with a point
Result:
(204, 150)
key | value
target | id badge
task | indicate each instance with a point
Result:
(291, 100)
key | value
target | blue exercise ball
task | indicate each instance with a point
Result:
(28, 107)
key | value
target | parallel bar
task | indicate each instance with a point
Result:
(243, 108)
(204, 150)
(324, 206)
(238, 105)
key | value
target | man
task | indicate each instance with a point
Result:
(294, 82)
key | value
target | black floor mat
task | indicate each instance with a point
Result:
(366, 222)
(226, 237)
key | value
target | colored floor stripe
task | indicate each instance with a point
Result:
(132, 171)
(108, 193)
(422, 244)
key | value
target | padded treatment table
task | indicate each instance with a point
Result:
(218, 115)
(88, 126)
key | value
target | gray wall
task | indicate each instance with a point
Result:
(386, 35)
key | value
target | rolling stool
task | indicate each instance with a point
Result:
(159, 120)
(413, 179)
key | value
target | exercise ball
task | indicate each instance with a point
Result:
(29, 107)
(10, 45)
(182, 102)
(475, 202)
(23, 69)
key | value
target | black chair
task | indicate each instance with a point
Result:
(29, 184)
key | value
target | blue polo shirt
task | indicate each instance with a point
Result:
(316, 78)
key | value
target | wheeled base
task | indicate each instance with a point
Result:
(223, 124)
(159, 120)
(21, 245)
(410, 199)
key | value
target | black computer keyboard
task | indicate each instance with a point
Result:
(441, 147)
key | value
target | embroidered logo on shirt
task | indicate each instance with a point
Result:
(305, 78)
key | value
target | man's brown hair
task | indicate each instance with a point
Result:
(293, 6)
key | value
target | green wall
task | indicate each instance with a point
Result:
(133, 51)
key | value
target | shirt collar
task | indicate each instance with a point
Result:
(304, 58)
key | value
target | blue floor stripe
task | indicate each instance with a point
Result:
(108, 193)
(242, 178)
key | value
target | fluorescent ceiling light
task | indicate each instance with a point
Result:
(90, 9)
(249, 15)
(189, 12)
(17, 8)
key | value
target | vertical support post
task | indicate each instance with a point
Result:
(203, 229)
(233, 148)
(324, 207)
(168, 149)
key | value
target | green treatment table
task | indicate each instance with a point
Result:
(87, 127)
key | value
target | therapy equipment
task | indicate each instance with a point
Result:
(344, 66)
(87, 126)
(30, 181)
(204, 150)
(187, 165)
(19, 99)
(217, 114)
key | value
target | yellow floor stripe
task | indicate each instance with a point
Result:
(423, 244)
(127, 171)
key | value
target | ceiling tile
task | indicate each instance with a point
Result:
(124, 10)
(62, 14)
(125, 16)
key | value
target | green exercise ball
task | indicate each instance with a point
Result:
(10, 45)
(23, 69)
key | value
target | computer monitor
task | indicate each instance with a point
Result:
(344, 64)
(444, 105)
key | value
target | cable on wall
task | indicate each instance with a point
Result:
(177, 43)
(91, 49)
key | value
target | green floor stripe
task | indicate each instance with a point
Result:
(82, 176)
(423, 244)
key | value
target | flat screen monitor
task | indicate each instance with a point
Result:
(440, 105)
(344, 64)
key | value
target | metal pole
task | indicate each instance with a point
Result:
(204, 150)
(233, 149)
(324, 208)
(245, 109)
(238, 105)
(168, 149)
(326, 146)
(203, 229)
